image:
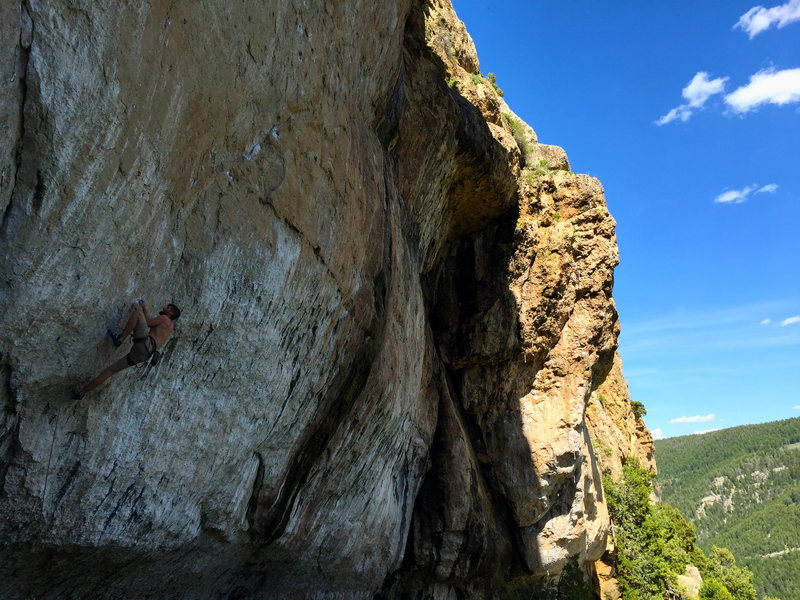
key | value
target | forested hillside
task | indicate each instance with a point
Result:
(741, 489)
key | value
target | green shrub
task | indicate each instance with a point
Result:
(638, 409)
(493, 80)
(643, 571)
(543, 168)
(655, 543)
(476, 79)
(712, 589)
(738, 580)
(602, 449)
(517, 128)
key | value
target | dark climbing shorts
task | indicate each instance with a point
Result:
(143, 347)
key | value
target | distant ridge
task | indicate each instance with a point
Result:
(741, 489)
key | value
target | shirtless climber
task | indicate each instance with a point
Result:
(148, 336)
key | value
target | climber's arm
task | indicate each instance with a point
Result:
(158, 320)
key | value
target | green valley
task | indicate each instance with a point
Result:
(741, 489)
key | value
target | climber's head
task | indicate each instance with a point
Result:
(172, 311)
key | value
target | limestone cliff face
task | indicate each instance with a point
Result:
(397, 308)
(617, 429)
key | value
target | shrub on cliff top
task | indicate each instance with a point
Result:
(638, 409)
(517, 128)
(493, 80)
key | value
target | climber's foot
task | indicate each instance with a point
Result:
(114, 338)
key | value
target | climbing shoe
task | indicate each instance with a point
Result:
(76, 395)
(114, 338)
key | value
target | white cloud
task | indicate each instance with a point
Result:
(705, 431)
(735, 196)
(765, 322)
(695, 419)
(759, 19)
(796, 407)
(682, 112)
(696, 93)
(766, 87)
(701, 88)
(658, 433)
(790, 321)
(739, 196)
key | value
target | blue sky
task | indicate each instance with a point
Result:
(689, 114)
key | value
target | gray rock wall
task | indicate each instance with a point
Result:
(223, 157)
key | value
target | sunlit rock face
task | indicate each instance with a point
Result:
(396, 307)
(617, 429)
